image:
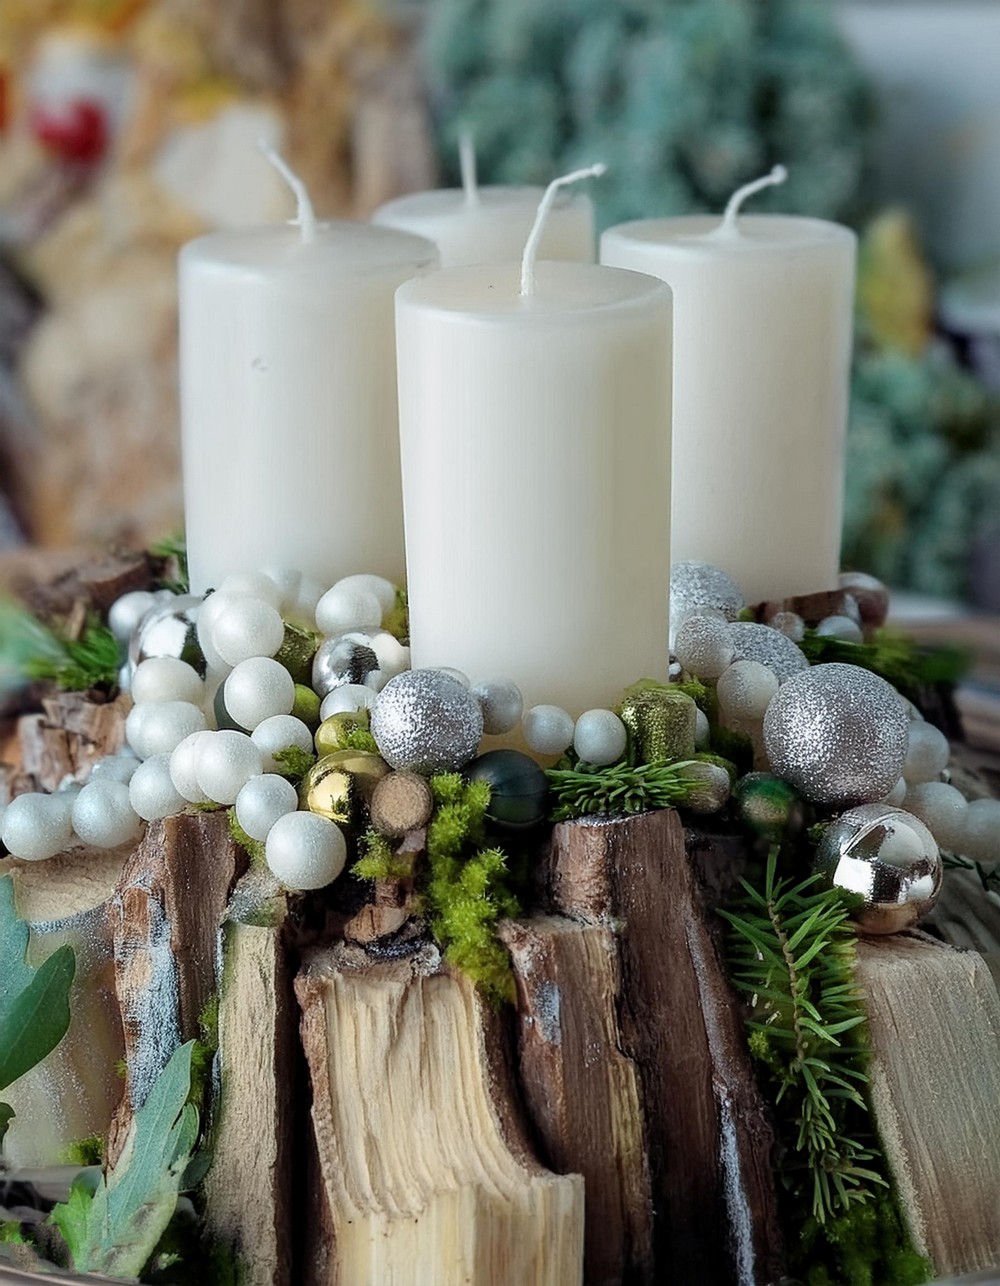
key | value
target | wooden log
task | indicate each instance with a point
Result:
(934, 1015)
(707, 1134)
(71, 734)
(425, 1175)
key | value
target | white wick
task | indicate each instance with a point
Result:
(305, 215)
(776, 177)
(544, 206)
(467, 162)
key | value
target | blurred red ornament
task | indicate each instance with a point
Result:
(74, 131)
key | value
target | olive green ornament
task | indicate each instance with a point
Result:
(306, 706)
(297, 650)
(519, 789)
(340, 786)
(661, 724)
(708, 786)
(768, 806)
(333, 733)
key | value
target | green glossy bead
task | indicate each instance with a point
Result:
(307, 704)
(768, 806)
(519, 789)
(332, 733)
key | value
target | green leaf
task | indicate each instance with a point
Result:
(116, 1230)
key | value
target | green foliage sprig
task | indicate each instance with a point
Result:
(75, 665)
(621, 788)
(174, 549)
(893, 657)
(989, 876)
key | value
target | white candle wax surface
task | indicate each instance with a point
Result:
(762, 343)
(535, 436)
(493, 225)
(288, 400)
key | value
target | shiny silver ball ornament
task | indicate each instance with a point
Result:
(694, 584)
(889, 859)
(169, 628)
(425, 721)
(837, 733)
(343, 659)
(770, 647)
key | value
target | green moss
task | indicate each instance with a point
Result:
(692, 688)
(397, 620)
(360, 739)
(84, 1152)
(293, 762)
(253, 848)
(203, 1054)
(378, 861)
(11, 1234)
(891, 656)
(867, 1246)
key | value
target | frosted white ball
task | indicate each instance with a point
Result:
(166, 678)
(790, 624)
(307, 599)
(126, 613)
(288, 581)
(599, 737)
(152, 793)
(547, 730)
(896, 796)
(35, 828)
(225, 763)
(262, 801)
(840, 627)
(257, 689)
(251, 585)
(208, 613)
(702, 730)
(115, 768)
(745, 690)
(247, 627)
(927, 753)
(348, 699)
(162, 726)
(184, 768)
(704, 645)
(341, 610)
(393, 657)
(501, 703)
(941, 808)
(981, 832)
(278, 733)
(306, 851)
(384, 590)
(103, 815)
(458, 675)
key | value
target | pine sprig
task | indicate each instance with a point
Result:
(76, 665)
(622, 788)
(895, 658)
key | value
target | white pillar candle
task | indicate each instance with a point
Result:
(288, 399)
(762, 345)
(535, 432)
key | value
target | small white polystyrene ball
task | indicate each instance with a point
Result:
(225, 763)
(502, 705)
(158, 727)
(152, 793)
(288, 581)
(896, 796)
(115, 768)
(34, 828)
(262, 801)
(166, 678)
(126, 613)
(704, 645)
(547, 730)
(745, 690)
(927, 753)
(942, 810)
(348, 699)
(278, 733)
(393, 657)
(840, 627)
(103, 815)
(981, 832)
(184, 768)
(251, 585)
(702, 730)
(384, 590)
(247, 627)
(599, 737)
(307, 599)
(257, 689)
(341, 610)
(208, 613)
(306, 851)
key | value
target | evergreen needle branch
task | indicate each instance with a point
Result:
(622, 788)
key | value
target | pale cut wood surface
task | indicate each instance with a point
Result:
(424, 1176)
(934, 1015)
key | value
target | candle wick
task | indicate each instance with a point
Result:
(777, 176)
(467, 161)
(305, 216)
(537, 228)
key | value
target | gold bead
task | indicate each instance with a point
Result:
(332, 733)
(340, 785)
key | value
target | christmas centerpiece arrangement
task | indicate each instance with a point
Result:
(556, 918)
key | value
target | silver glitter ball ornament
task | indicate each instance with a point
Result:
(770, 647)
(694, 584)
(889, 859)
(837, 733)
(169, 628)
(426, 722)
(345, 658)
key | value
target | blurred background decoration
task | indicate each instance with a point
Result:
(127, 126)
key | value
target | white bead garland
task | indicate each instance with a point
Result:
(600, 737)
(126, 613)
(119, 767)
(941, 808)
(151, 791)
(35, 827)
(383, 590)
(501, 703)
(261, 801)
(981, 831)
(927, 753)
(745, 689)
(166, 678)
(306, 851)
(278, 733)
(158, 727)
(547, 730)
(103, 815)
(258, 688)
(251, 585)
(247, 627)
(347, 700)
(225, 762)
(184, 768)
(342, 609)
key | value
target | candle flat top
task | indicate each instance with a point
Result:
(444, 202)
(339, 244)
(561, 288)
(753, 232)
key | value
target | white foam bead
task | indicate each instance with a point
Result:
(208, 613)
(308, 598)
(306, 851)
(225, 763)
(167, 678)
(745, 690)
(981, 832)
(152, 792)
(547, 730)
(702, 730)
(246, 628)
(126, 613)
(384, 590)
(599, 737)
(840, 627)
(288, 580)
(348, 699)
(103, 815)
(340, 610)
(34, 828)
(458, 675)
(257, 689)
(502, 705)
(115, 768)
(125, 678)
(278, 733)
(393, 657)
(262, 801)
(164, 725)
(251, 585)
(896, 796)
(184, 768)
(134, 724)
(941, 808)
(704, 645)
(927, 753)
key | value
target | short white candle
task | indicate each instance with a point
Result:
(762, 344)
(288, 399)
(535, 435)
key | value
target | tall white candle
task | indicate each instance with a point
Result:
(288, 399)
(535, 435)
(762, 343)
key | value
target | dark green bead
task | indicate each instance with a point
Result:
(223, 719)
(768, 806)
(519, 788)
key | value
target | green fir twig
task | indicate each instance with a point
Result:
(76, 665)
(897, 659)
(622, 788)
